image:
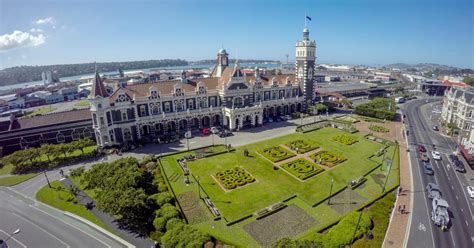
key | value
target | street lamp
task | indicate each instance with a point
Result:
(199, 188)
(330, 191)
(47, 179)
(11, 235)
(187, 135)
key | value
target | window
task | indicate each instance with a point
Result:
(202, 103)
(127, 135)
(94, 119)
(179, 106)
(122, 98)
(87, 133)
(102, 121)
(60, 138)
(259, 97)
(213, 102)
(99, 106)
(274, 95)
(75, 135)
(142, 110)
(469, 114)
(154, 94)
(112, 136)
(238, 101)
(190, 104)
(167, 107)
(155, 109)
(124, 116)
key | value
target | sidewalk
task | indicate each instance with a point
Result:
(109, 220)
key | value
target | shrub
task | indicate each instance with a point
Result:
(162, 198)
(380, 129)
(233, 178)
(302, 169)
(163, 215)
(182, 235)
(303, 146)
(156, 236)
(380, 108)
(277, 153)
(327, 158)
(77, 172)
(345, 139)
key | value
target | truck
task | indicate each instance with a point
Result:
(439, 213)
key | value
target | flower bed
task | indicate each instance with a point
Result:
(327, 158)
(302, 168)
(380, 129)
(345, 139)
(303, 146)
(233, 178)
(276, 153)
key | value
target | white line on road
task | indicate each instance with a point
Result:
(457, 198)
(452, 187)
(42, 229)
(13, 238)
(467, 224)
(75, 227)
(452, 239)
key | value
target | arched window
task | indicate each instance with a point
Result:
(60, 138)
(87, 132)
(75, 135)
(127, 135)
(238, 101)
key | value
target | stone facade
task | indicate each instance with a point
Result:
(458, 107)
(227, 98)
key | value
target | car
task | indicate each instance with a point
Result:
(452, 158)
(424, 157)
(458, 166)
(421, 148)
(433, 191)
(470, 191)
(215, 130)
(435, 128)
(288, 117)
(435, 155)
(428, 169)
(225, 133)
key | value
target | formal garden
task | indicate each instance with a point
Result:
(274, 176)
(327, 158)
(233, 178)
(302, 168)
(345, 139)
(302, 146)
(379, 129)
(276, 153)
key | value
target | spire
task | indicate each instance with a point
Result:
(98, 88)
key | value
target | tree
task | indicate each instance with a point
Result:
(179, 234)
(469, 80)
(48, 150)
(163, 215)
(81, 144)
(346, 103)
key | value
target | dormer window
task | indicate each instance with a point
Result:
(142, 110)
(154, 94)
(122, 98)
(202, 90)
(274, 83)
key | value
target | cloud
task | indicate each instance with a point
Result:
(47, 20)
(19, 39)
(36, 30)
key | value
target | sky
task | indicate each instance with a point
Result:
(371, 32)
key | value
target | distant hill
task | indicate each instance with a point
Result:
(22, 74)
(231, 61)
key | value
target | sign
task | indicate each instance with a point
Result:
(188, 135)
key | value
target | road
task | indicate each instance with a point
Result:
(423, 233)
(42, 226)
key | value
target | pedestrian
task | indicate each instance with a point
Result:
(400, 190)
(403, 208)
(296, 150)
(400, 208)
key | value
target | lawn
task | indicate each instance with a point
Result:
(6, 169)
(63, 200)
(274, 184)
(15, 179)
(82, 103)
(41, 111)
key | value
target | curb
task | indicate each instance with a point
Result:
(100, 229)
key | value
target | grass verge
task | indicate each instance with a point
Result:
(14, 180)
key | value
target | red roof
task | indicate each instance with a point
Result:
(449, 83)
(98, 88)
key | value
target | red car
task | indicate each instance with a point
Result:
(421, 148)
(205, 131)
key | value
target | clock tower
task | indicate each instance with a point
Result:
(305, 63)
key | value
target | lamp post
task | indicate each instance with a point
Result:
(187, 135)
(357, 226)
(47, 179)
(330, 191)
(12, 234)
(199, 188)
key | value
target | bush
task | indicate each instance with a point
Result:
(163, 215)
(302, 169)
(77, 172)
(327, 158)
(276, 153)
(380, 129)
(162, 198)
(182, 235)
(345, 139)
(156, 236)
(380, 108)
(233, 178)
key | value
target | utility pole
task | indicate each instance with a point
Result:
(47, 179)
(357, 226)
(330, 191)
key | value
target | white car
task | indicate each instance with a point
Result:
(435, 155)
(470, 191)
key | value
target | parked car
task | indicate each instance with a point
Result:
(452, 158)
(421, 148)
(470, 191)
(424, 157)
(215, 130)
(225, 133)
(435, 155)
(428, 169)
(288, 117)
(433, 191)
(435, 128)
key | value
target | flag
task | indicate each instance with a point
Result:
(309, 18)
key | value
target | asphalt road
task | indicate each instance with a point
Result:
(423, 233)
(42, 226)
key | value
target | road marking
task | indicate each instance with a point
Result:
(457, 197)
(449, 179)
(462, 210)
(422, 227)
(42, 229)
(452, 239)
(75, 227)
(452, 187)
(13, 238)
(466, 223)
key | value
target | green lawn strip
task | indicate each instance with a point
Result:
(302, 168)
(41, 111)
(80, 185)
(63, 200)
(16, 179)
(276, 153)
(82, 103)
(6, 169)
